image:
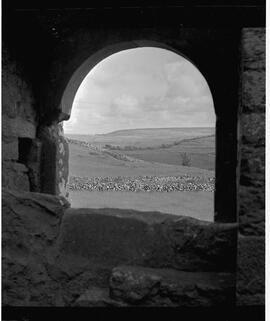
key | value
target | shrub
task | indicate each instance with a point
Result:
(186, 159)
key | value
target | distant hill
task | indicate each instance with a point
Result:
(151, 131)
(145, 137)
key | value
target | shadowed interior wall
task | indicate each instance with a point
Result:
(18, 122)
(251, 197)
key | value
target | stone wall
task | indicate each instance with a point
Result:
(84, 257)
(52, 253)
(251, 198)
(18, 123)
(31, 223)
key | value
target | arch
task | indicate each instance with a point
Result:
(82, 71)
(214, 53)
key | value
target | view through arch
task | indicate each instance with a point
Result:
(142, 136)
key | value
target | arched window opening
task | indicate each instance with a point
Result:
(142, 136)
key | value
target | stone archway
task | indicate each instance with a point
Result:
(198, 46)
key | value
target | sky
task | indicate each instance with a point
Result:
(141, 88)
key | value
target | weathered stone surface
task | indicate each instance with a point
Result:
(10, 150)
(33, 165)
(253, 64)
(8, 109)
(18, 111)
(112, 236)
(15, 176)
(165, 287)
(132, 285)
(98, 297)
(9, 131)
(30, 226)
(18, 121)
(253, 46)
(252, 166)
(251, 210)
(251, 270)
(25, 128)
(201, 246)
(253, 99)
(38, 217)
(54, 160)
(253, 129)
(18, 127)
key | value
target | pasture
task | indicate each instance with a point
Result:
(195, 204)
(92, 162)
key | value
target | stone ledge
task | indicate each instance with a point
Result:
(177, 242)
(35, 221)
(166, 287)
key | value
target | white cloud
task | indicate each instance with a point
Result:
(141, 88)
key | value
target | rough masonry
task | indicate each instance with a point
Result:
(86, 257)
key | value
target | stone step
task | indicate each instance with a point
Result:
(167, 287)
(98, 297)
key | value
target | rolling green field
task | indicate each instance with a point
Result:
(142, 161)
(90, 163)
(200, 150)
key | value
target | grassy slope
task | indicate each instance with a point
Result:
(145, 137)
(159, 162)
(201, 151)
(83, 162)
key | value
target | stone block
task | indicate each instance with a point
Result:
(8, 109)
(15, 176)
(38, 217)
(175, 242)
(18, 127)
(165, 287)
(253, 91)
(253, 129)
(251, 211)
(252, 167)
(253, 46)
(250, 270)
(30, 226)
(9, 130)
(25, 128)
(10, 150)
(98, 297)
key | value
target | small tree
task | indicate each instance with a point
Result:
(186, 159)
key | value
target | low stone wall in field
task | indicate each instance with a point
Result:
(143, 183)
